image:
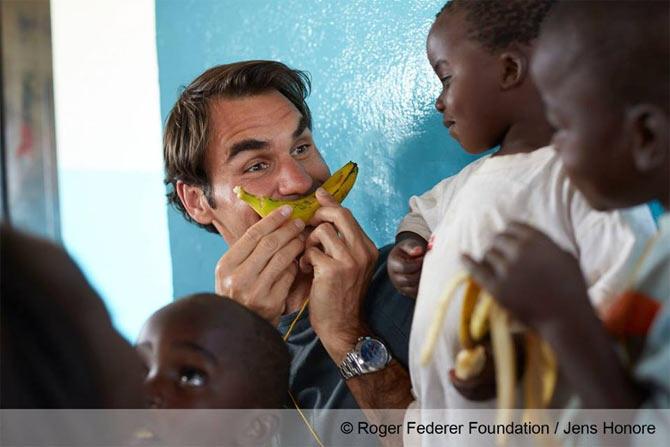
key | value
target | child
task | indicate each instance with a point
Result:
(206, 351)
(481, 51)
(59, 349)
(613, 134)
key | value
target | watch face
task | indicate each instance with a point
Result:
(373, 353)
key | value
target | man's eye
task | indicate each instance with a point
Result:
(257, 167)
(300, 150)
(192, 378)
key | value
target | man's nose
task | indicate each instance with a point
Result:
(294, 179)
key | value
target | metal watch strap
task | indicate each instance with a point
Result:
(349, 367)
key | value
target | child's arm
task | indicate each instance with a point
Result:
(406, 259)
(542, 285)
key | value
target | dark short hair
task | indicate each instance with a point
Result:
(254, 347)
(187, 128)
(496, 24)
(624, 45)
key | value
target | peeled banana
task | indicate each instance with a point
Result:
(338, 185)
(481, 314)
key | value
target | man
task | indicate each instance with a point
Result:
(247, 124)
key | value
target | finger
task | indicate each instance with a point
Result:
(270, 244)
(316, 259)
(325, 198)
(498, 262)
(407, 280)
(283, 259)
(404, 265)
(331, 211)
(326, 236)
(281, 287)
(412, 246)
(411, 292)
(239, 251)
(416, 251)
(522, 230)
(481, 272)
(341, 219)
(507, 243)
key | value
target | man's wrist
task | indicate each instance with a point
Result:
(339, 343)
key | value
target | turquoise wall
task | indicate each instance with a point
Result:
(372, 100)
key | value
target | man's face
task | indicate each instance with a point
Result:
(186, 366)
(468, 101)
(261, 143)
(589, 129)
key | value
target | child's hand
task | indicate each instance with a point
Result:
(483, 385)
(542, 285)
(405, 262)
(531, 276)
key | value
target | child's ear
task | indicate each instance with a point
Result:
(195, 202)
(261, 429)
(650, 135)
(513, 68)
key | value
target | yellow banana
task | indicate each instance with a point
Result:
(469, 300)
(479, 324)
(505, 362)
(479, 315)
(541, 372)
(338, 185)
(434, 330)
(470, 362)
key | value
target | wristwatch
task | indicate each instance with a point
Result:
(368, 356)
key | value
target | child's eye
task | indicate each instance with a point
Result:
(446, 80)
(257, 167)
(192, 378)
(300, 150)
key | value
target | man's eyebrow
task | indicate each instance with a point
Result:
(302, 125)
(196, 347)
(249, 144)
(252, 144)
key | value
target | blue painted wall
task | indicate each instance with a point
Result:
(372, 100)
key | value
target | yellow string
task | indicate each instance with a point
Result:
(295, 402)
(304, 419)
(295, 320)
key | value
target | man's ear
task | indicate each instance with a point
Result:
(513, 68)
(650, 136)
(260, 429)
(195, 202)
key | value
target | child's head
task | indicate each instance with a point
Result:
(480, 50)
(206, 351)
(603, 69)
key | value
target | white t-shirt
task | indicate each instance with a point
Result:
(466, 211)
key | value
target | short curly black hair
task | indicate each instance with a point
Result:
(496, 24)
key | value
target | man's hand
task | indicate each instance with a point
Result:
(258, 270)
(539, 282)
(342, 258)
(405, 262)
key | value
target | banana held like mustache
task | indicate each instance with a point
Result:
(338, 185)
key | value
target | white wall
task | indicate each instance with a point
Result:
(108, 133)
